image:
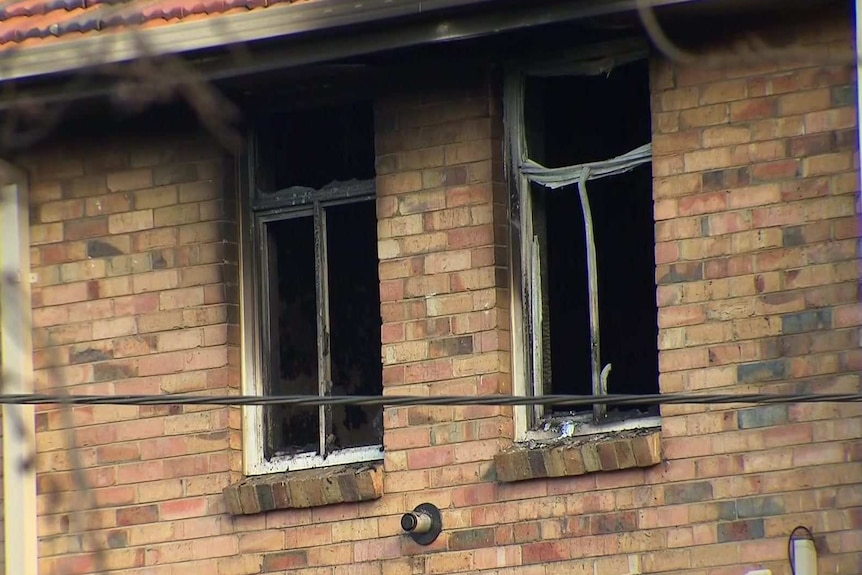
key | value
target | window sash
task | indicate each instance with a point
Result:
(263, 287)
(256, 365)
(254, 206)
(317, 211)
(526, 254)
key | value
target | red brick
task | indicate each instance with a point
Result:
(804, 188)
(87, 228)
(767, 151)
(784, 214)
(130, 180)
(827, 164)
(702, 203)
(679, 99)
(156, 281)
(802, 102)
(665, 209)
(546, 551)
(137, 515)
(61, 211)
(677, 142)
(756, 109)
(828, 120)
(109, 204)
(780, 170)
(466, 237)
(284, 560)
(181, 298)
(728, 222)
(55, 295)
(130, 221)
(447, 262)
(158, 238)
(723, 91)
(681, 315)
(719, 136)
(711, 159)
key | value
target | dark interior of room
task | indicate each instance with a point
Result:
(315, 147)
(573, 120)
(354, 320)
(293, 335)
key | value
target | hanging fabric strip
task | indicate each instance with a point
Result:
(554, 178)
(593, 276)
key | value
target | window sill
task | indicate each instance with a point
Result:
(288, 463)
(581, 455)
(570, 426)
(306, 488)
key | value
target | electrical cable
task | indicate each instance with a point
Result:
(404, 400)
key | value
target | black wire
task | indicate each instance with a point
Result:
(790, 556)
(401, 400)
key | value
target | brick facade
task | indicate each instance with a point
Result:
(441, 210)
(757, 246)
(135, 260)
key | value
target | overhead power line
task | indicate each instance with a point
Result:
(404, 400)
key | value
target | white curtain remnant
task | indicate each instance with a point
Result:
(580, 174)
(555, 178)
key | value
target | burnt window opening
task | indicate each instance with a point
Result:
(292, 299)
(578, 119)
(571, 120)
(315, 148)
(315, 247)
(355, 322)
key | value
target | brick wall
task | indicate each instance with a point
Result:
(441, 209)
(757, 209)
(757, 246)
(133, 249)
(445, 330)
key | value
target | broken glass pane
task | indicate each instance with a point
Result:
(354, 310)
(293, 340)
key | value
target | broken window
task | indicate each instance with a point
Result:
(313, 231)
(584, 223)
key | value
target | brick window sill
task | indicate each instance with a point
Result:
(581, 455)
(306, 488)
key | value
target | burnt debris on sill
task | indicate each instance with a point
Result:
(559, 427)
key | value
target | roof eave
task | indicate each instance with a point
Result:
(272, 24)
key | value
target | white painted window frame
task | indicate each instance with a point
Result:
(253, 425)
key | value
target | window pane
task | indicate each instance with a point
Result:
(315, 147)
(625, 253)
(354, 318)
(572, 120)
(577, 119)
(567, 307)
(624, 234)
(293, 339)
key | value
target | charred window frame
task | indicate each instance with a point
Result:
(532, 184)
(308, 220)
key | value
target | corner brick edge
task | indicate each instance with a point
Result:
(306, 488)
(587, 455)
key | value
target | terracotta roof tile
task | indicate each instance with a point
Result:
(25, 23)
